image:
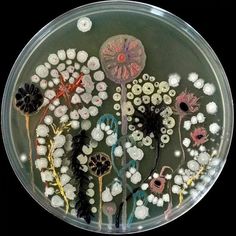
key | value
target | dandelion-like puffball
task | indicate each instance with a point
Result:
(176, 189)
(74, 115)
(186, 142)
(199, 83)
(193, 165)
(101, 86)
(64, 118)
(97, 101)
(49, 191)
(103, 95)
(118, 152)
(75, 99)
(106, 195)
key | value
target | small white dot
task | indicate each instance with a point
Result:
(177, 153)
(23, 157)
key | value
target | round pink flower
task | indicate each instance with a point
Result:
(123, 58)
(199, 136)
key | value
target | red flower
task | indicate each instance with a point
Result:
(123, 58)
(157, 185)
(186, 103)
(199, 136)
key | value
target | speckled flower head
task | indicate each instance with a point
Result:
(28, 99)
(99, 164)
(199, 136)
(123, 58)
(186, 103)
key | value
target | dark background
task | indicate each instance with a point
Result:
(19, 22)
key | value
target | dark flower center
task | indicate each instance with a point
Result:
(157, 183)
(183, 106)
(200, 136)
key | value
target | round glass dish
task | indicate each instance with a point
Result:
(172, 111)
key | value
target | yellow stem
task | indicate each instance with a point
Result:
(27, 125)
(100, 202)
(56, 176)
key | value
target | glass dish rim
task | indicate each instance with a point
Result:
(169, 18)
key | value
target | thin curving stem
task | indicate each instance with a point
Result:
(27, 125)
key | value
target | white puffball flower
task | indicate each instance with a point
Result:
(41, 140)
(135, 153)
(199, 83)
(101, 86)
(59, 152)
(75, 99)
(136, 178)
(50, 94)
(74, 115)
(93, 63)
(203, 158)
(61, 54)
(193, 165)
(57, 201)
(111, 139)
(59, 141)
(209, 89)
(71, 53)
(41, 150)
(41, 163)
(70, 191)
(192, 77)
(174, 80)
(64, 118)
(53, 59)
(65, 179)
(211, 108)
(42, 130)
(187, 124)
(49, 191)
(141, 212)
(186, 142)
(46, 176)
(82, 56)
(166, 197)
(84, 113)
(116, 189)
(106, 195)
(64, 169)
(48, 120)
(84, 24)
(42, 71)
(75, 124)
(176, 189)
(60, 111)
(97, 134)
(93, 111)
(57, 162)
(178, 180)
(214, 128)
(160, 202)
(103, 95)
(99, 75)
(200, 117)
(118, 152)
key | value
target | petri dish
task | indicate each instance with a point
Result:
(117, 129)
